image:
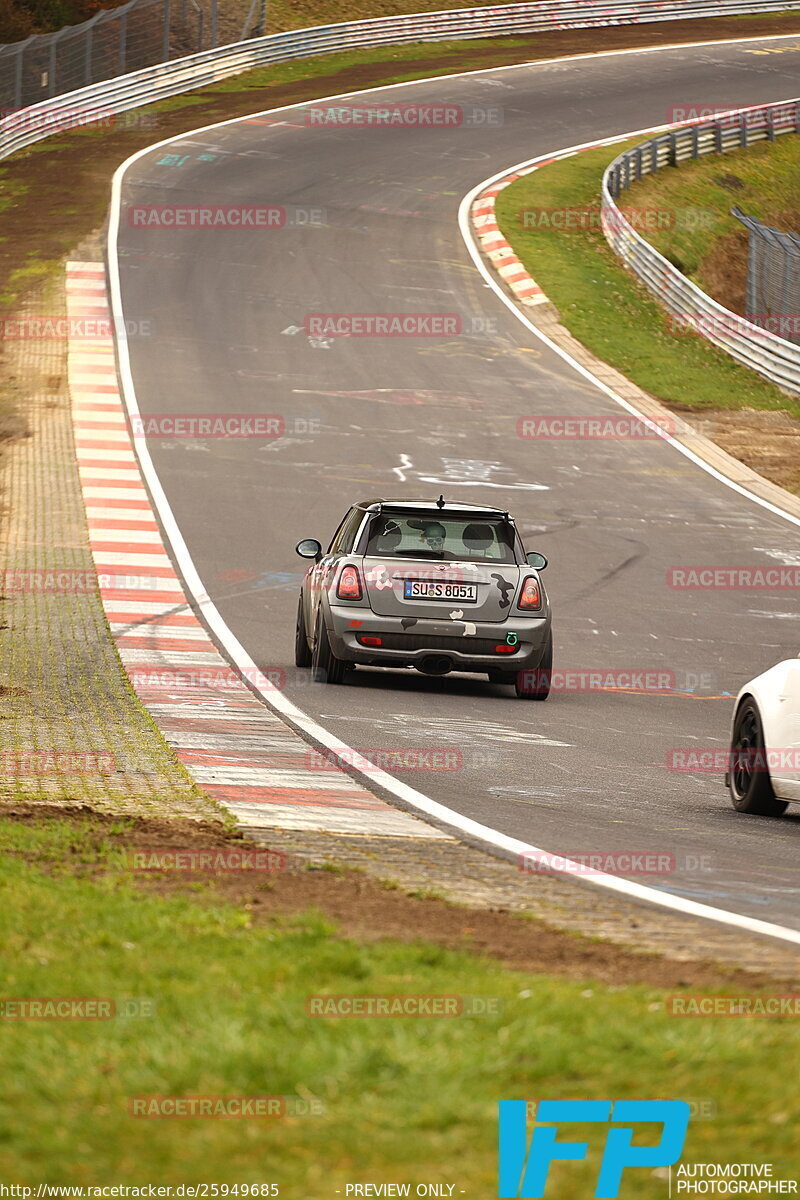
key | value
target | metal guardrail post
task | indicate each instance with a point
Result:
(788, 265)
(122, 51)
(200, 26)
(247, 20)
(165, 43)
(751, 299)
(18, 75)
(51, 68)
(87, 56)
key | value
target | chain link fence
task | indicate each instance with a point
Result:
(773, 277)
(139, 34)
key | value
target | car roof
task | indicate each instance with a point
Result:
(431, 506)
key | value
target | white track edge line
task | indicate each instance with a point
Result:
(294, 716)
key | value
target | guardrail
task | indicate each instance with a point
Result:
(756, 346)
(166, 79)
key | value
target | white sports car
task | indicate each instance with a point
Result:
(764, 771)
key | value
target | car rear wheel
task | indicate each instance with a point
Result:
(748, 779)
(535, 685)
(302, 653)
(327, 668)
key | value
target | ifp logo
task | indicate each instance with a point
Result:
(524, 1169)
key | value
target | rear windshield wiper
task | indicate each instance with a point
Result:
(410, 554)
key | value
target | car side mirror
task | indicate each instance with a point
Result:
(309, 548)
(536, 560)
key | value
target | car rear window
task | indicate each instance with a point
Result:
(415, 535)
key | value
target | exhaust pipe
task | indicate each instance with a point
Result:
(435, 664)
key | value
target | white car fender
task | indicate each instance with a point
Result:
(777, 694)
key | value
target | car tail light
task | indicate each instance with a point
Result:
(504, 649)
(349, 585)
(368, 640)
(531, 595)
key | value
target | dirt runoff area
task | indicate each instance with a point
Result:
(767, 442)
(359, 906)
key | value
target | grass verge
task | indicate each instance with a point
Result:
(604, 305)
(402, 1099)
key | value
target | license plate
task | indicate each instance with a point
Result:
(417, 589)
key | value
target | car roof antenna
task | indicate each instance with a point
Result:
(440, 502)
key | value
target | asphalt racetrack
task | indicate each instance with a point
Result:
(372, 228)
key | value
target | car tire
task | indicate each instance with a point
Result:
(326, 667)
(535, 685)
(751, 789)
(302, 651)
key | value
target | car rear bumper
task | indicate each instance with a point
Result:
(411, 645)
